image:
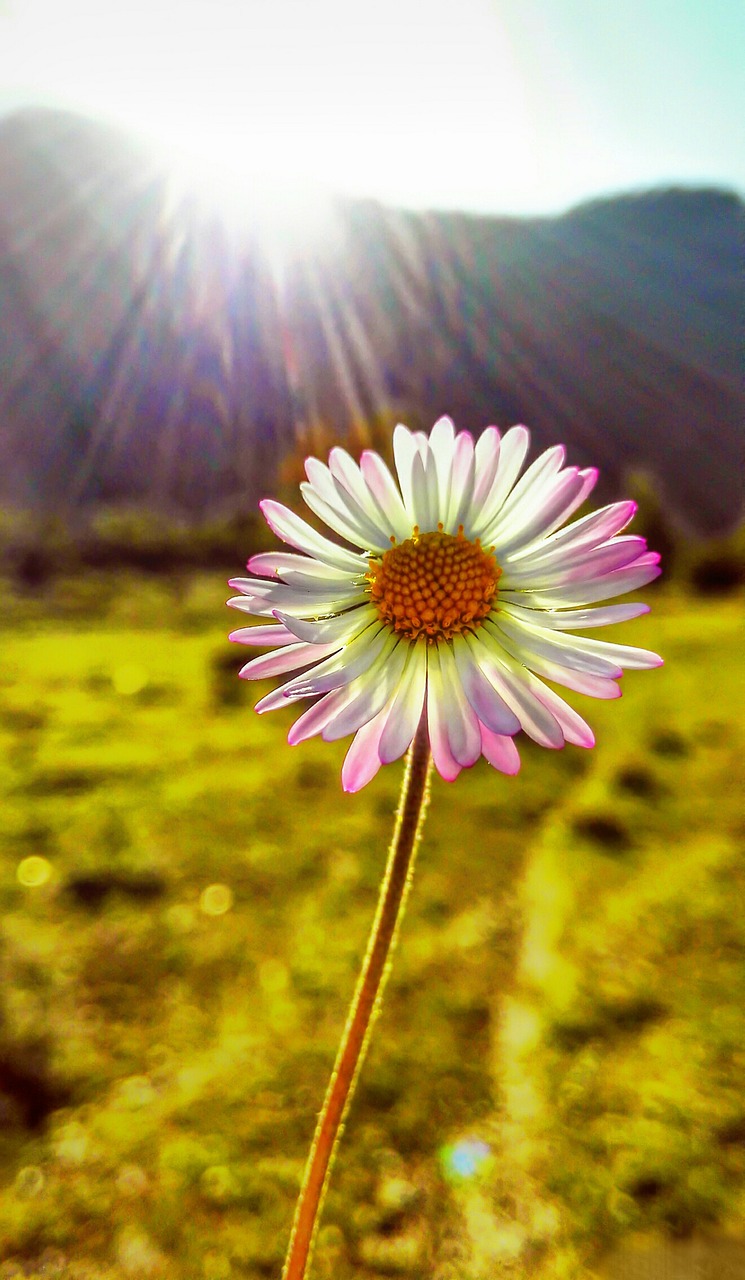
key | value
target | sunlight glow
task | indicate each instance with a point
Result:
(365, 100)
(507, 106)
(290, 216)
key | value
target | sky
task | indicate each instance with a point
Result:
(499, 106)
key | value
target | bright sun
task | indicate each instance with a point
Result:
(395, 99)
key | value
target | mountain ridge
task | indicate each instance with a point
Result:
(151, 353)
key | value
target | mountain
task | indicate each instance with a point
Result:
(151, 351)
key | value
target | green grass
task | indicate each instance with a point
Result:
(569, 985)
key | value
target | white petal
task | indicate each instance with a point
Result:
(442, 445)
(289, 658)
(434, 506)
(509, 680)
(267, 597)
(578, 619)
(263, 636)
(638, 574)
(490, 708)
(557, 646)
(462, 479)
(529, 645)
(301, 582)
(315, 719)
(540, 472)
(339, 629)
(406, 707)
(311, 583)
(589, 531)
(362, 761)
(273, 563)
(581, 681)
(445, 763)
(357, 657)
(321, 479)
(384, 490)
(628, 657)
(537, 513)
(356, 528)
(461, 721)
(371, 692)
(512, 451)
(405, 450)
(500, 751)
(486, 460)
(574, 728)
(421, 439)
(364, 515)
(424, 493)
(442, 437)
(298, 533)
(273, 701)
(266, 588)
(346, 471)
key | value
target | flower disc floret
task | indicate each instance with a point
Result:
(434, 584)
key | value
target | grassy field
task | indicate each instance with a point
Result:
(559, 1070)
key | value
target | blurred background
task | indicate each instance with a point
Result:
(232, 234)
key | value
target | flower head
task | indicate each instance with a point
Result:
(458, 595)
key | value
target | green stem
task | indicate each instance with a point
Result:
(365, 1004)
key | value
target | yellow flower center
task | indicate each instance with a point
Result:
(434, 584)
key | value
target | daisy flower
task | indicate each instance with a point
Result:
(456, 594)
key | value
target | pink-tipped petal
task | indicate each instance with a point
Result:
(512, 451)
(344, 493)
(262, 636)
(445, 763)
(362, 761)
(442, 445)
(345, 666)
(406, 707)
(574, 728)
(527, 494)
(461, 722)
(490, 708)
(298, 533)
(462, 480)
(315, 719)
(338, 630)
(574, 619)
(262, 598)
(508, 679)
(500, 751)
(639, 574)
(384, 490)
(288, 658)
(596, 686)
(349, 478)
(589, 531)
(536, 513)
(274, 701)
(278, 563)
(405, 450)
(531, 645)
(486, 463)
(354, 526)
(370, 694)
